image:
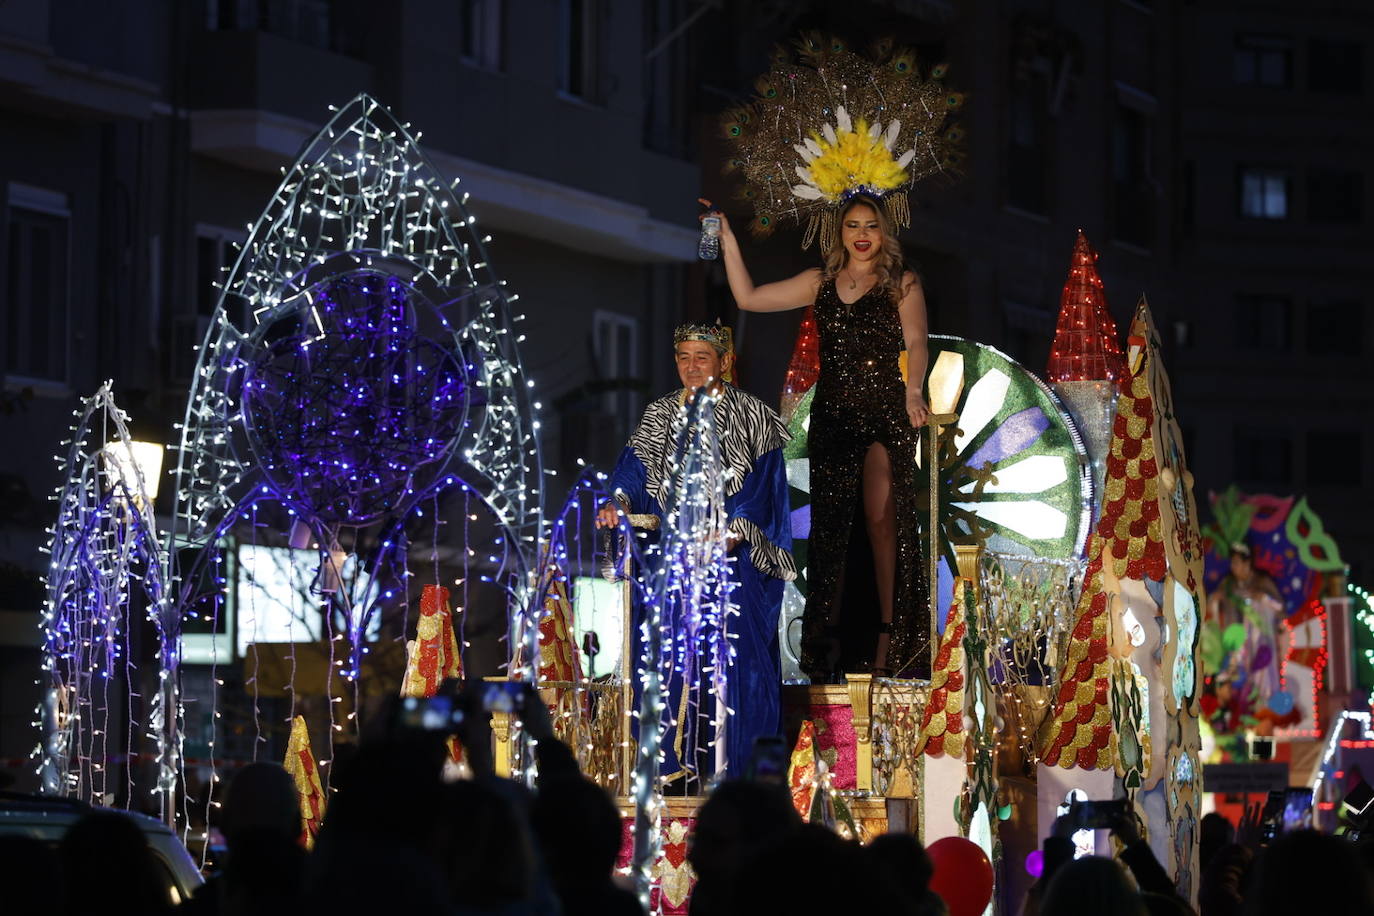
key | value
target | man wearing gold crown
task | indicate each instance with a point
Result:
(759, 526)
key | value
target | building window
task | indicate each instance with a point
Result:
(1188, 194)
(1028, 145)
(578, 51)
(668, 124)
(303, 21)
(1264, 192)
(1133, 190)
(615, 345)
(1264, 323)
(37, 266)
(1263, 459)
(1335, 195)
(1339, 456)
(1264, 60)
(1335, 329)
(1335, 66)
(483, 32)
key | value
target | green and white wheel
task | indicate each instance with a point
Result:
(1014, 474)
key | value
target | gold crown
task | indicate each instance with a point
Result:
(716, 335)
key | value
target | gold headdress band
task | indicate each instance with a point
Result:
(718, 336)
(846, 125)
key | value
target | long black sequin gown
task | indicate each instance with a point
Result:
(861, 399)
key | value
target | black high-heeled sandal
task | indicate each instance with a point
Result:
(884, 629)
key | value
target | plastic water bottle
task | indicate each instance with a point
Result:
(708, 249)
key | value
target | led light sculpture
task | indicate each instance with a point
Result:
(362, 360)
(106, 566)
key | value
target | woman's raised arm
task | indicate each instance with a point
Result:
(792, 293)
(911, 311)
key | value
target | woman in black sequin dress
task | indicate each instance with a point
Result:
(863, 435)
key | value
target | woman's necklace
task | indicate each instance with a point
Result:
(853, 281)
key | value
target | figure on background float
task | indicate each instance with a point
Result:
(759, 533)
(1240, 638)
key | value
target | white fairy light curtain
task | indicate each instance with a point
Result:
(685, 627)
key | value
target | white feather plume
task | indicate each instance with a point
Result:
(893, 130)
(842, 120)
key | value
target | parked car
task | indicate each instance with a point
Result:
(47, 818)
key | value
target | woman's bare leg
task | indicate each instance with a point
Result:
(880, 514)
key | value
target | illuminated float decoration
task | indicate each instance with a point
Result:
(1295, 559)
(1124, 713)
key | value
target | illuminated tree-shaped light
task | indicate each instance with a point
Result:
(1086, 346)
(805, 366)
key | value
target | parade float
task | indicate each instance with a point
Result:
(359, 467)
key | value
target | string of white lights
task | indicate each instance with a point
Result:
(685, 625)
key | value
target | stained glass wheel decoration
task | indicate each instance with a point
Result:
(1015, 475)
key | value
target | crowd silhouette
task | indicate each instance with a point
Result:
(400, 838)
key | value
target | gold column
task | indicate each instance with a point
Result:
(944, 387)
(934, 423)
(967, 557)
(500, 738)
(861, 711)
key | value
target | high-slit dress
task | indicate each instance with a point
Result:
(861, 399)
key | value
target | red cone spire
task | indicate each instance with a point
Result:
(805, 366)
(1085, 343)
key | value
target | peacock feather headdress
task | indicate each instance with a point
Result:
(828, 124)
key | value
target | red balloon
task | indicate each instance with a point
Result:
(963, 875)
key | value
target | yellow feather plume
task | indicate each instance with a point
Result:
(855, 159)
